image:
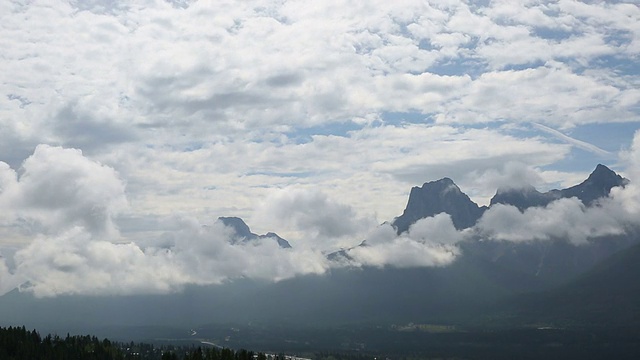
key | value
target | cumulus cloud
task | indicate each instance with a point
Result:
(77, 263)
(203, 108)
(563, 219)
(512, 175)
(315, 215)
(69, 202)
(626, 201)
(429, 242)
(75, 254)
(570, 219)
(58, 188)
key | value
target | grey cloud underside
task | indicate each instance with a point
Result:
(84, 132)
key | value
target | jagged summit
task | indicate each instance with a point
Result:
(436, 197)
(241, 228)
(243, 232)
(445, 196)
(597, 185)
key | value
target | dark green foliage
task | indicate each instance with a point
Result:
(17, 343)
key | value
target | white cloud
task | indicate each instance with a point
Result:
(74, 262)
(626, 202)
(569, 219)
(320, 220)
(564, 219)
(58, 188)
(512, 175)
(204, 108)
(437, 229)
(80, 259)
(429, 242)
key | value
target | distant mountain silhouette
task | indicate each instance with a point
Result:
(244, 234)
(596, 186)
(445, 196)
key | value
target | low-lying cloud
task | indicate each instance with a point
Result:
(324, 222)
(565, 219)
(76, 263)
(429, 242)
(569, 219)
(67, 202)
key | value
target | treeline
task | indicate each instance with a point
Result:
(18, 343)
(214, 354)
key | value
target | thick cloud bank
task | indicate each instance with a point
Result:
(322, 221)
(66, 203)
(76, 263)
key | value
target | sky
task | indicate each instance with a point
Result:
(128, 127)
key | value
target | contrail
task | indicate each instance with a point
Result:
(575, 142)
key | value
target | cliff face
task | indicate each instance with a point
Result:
(436, 197)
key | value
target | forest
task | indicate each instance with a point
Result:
(18, 343)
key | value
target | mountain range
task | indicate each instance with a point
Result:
(492, 283)
(445, 196)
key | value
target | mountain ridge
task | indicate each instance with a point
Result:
(435, 197)
(243, 233)
(444, 195)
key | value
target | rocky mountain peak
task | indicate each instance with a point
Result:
(597, 185)
(243, 232)
(445, 196)
(436, 197)
(238, 225)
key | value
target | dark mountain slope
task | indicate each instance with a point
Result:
(607, 295)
